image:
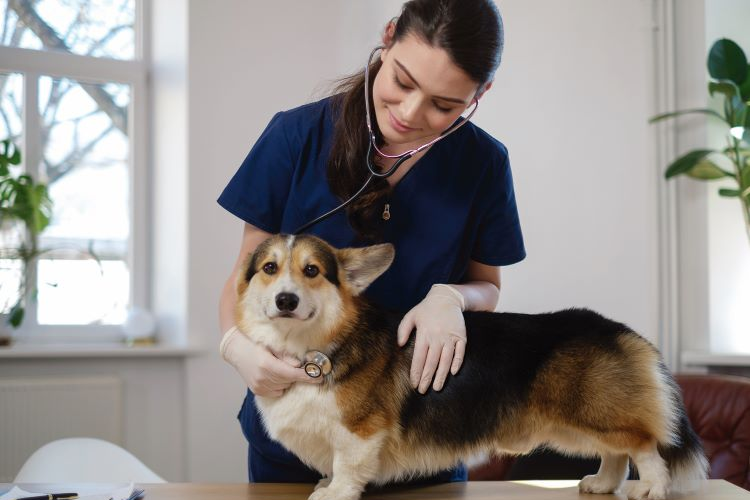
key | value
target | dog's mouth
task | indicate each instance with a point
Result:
(290, 315)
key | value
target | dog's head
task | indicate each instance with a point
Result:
(304, 289)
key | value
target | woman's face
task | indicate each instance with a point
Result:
(418, 92)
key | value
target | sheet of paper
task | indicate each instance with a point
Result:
(88, 491)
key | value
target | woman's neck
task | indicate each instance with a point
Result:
(385, 163)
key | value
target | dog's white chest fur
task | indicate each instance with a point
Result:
(305, 419)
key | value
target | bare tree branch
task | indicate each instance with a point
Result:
(26, 14)
(99, 43)
(73, 159)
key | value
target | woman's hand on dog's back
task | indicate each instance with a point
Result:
(263, 372)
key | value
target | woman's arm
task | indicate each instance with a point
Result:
(251, 238)
(481, 291)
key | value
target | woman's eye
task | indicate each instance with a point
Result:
(270, 268)
(398, 83)
(442, 109)
(311, 271)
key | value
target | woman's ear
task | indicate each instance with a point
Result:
(482, 89)
(389, 33)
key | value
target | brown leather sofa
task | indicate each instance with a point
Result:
(719, 409)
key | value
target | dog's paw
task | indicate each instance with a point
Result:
(320, 493)
(323, 483)
(597, 484)
(646, 490)
(327, 493)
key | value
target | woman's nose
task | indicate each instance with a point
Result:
(410, 108)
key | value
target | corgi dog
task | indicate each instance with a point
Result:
(570, 380)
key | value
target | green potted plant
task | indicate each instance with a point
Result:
(25, 210)
(730, 80)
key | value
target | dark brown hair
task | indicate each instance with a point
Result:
(470, 31)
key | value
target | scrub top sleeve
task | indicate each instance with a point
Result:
(258, 191)
(499, 240)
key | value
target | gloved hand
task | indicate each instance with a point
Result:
(265, 373)
(440, 343)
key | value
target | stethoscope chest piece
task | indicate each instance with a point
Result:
(317, 364)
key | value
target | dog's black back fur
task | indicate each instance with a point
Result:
(505, 352)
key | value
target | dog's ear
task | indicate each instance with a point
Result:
(246, 273)
(363, 265)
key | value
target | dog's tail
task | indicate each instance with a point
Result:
(684, 454)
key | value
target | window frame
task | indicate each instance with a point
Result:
(33, 64)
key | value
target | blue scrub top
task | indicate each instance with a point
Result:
(455, 204)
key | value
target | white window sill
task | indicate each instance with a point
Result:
(97, 350)
(707, 358)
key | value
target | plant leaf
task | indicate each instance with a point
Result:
(745, 87)
(726, 87)
(745, 174)
(740, 113)
(727, 61)
(707, 170)
(673, 114)
(686, 162)
(15, 317)
(729, 193)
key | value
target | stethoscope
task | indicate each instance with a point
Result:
(316, 363)
(400, 158)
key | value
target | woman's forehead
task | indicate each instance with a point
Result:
(432, 68)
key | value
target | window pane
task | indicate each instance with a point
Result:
(75, 292)
(99, 28)
(11, 106)
(85, 151)
(11, 111)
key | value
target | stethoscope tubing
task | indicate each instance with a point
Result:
(401, 158)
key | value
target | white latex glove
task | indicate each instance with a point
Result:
(440, 343)
(264, 373)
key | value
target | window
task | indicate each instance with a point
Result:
(73, 94)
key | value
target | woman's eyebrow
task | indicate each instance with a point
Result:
(450, 99)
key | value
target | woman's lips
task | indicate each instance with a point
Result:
(397, 125)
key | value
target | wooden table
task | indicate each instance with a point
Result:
(475, 490)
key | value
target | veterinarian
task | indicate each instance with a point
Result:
(449, 208)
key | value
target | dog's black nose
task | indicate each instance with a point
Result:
(287, 301)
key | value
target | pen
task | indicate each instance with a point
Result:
(52, 496)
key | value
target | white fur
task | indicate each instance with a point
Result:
(304, 419)
(654, 477)
(308, 421)
(613, 471)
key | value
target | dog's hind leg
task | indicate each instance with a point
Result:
(654, 476)
(612, 472)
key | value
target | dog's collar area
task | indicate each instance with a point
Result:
(317, 364)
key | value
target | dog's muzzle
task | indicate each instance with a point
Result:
(317, 364)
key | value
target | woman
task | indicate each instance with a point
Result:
(449, 208)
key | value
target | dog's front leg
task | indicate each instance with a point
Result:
(355, 463)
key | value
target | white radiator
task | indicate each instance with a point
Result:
(35, 411)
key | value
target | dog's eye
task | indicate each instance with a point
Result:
(269, 268)
(311, 271)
